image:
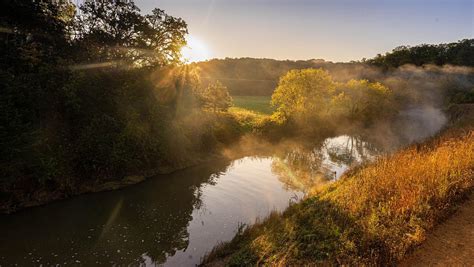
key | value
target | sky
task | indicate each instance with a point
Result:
(335, 30)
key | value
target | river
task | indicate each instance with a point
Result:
(175, 219)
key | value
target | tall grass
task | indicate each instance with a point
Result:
(373, 215)
(399, 198)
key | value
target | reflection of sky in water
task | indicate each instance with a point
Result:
(342, 152)
(246, 191)
(304, 168)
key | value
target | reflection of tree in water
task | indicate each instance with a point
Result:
(144, 223)
(349, 150)
(303, 167)
(299, 168)
(167, 212)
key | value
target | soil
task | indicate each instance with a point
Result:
(451, 243)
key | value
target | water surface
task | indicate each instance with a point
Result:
(174, 219)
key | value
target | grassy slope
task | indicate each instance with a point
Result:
(373, 215)
(251, 112)
(260, 104)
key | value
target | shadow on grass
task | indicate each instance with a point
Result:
(313, 231)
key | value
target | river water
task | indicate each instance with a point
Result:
(175, 219)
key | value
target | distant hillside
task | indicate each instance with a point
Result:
(251, 76)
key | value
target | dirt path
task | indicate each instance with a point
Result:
(451, 243)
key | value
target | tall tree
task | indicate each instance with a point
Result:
(363, 100)
(115, 30)
(303, 92)
(216, 97)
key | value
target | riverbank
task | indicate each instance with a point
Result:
(375, 214)
(227, 129)
(200, 144)
(45, 195)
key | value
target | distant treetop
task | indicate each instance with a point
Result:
(460, 53)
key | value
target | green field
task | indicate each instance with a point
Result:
(259, 104)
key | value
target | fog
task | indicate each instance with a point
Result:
(422, 94)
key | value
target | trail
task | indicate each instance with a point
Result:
(451, 243)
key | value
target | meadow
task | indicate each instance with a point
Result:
(260, 104)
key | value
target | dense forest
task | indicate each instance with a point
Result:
(96, 93)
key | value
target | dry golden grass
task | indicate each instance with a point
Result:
(398, 198)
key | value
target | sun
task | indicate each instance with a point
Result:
(195, 51)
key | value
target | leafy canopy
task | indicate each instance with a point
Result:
(216, 97)
(303, 92)
(312, 93)
(364, 100)
(115, 30)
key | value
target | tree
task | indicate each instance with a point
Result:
(165, 37)
(216, 97)
(304, 92)
(362, 100)
(34, 41)
(116, 31)
(34, 32)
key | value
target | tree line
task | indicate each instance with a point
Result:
(254, 76)
(460, 53)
